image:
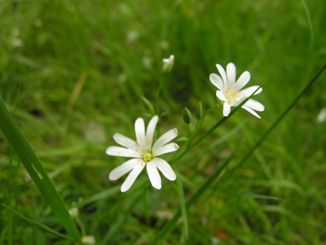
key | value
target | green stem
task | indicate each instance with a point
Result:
(214, 176)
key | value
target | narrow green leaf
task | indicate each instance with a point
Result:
(37, 224)
(34, 168)
(253, 195)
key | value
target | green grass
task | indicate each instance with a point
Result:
(79, 77)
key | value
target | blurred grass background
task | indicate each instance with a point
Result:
(73, 73)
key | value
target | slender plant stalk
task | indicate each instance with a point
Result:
(214, 127)
(194, 197)
(214, 176)
(277, 121)
(34, 168)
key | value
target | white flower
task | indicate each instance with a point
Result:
(143, 153)
(230, 92)
(168, 63)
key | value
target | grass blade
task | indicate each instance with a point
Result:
(36, 223)
(34, 168)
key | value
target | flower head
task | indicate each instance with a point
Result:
(230, 92)
(144, 152)
(168, 63)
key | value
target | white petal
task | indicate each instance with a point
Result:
(132, 177)
(154, 176)
(249, 91)
(220, 95)
(150, 130)
(255, 105)
(122, 152)
(165, 168)
(165, 149)
(140, 131)
(125, 141)
(123, 169)
(226, 109)
(242, 80)
(217, 81)
(231, 73)
(251, 111)
(223, 74)
(166, 138)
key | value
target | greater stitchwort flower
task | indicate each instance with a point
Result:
(230, 92)
(144, 153)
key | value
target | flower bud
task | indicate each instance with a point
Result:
(187, 115)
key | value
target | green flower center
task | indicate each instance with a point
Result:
(147, 156)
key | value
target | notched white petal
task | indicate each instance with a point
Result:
(122, 169)
(150, 130)
(122, 152)
(125, 141)
(165, 149)
(154, 176)
(242, 80)
(223, 74)
(251, 111)
(217, 81)
(166, 138)
(255, 105)
(220, 96)
(131, 178)
(249, 91)
(140, 131)
(165, 168)
(226, 109)
(231, 73)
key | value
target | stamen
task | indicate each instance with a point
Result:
(226, 90)
(151, 140)
(232, 91)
